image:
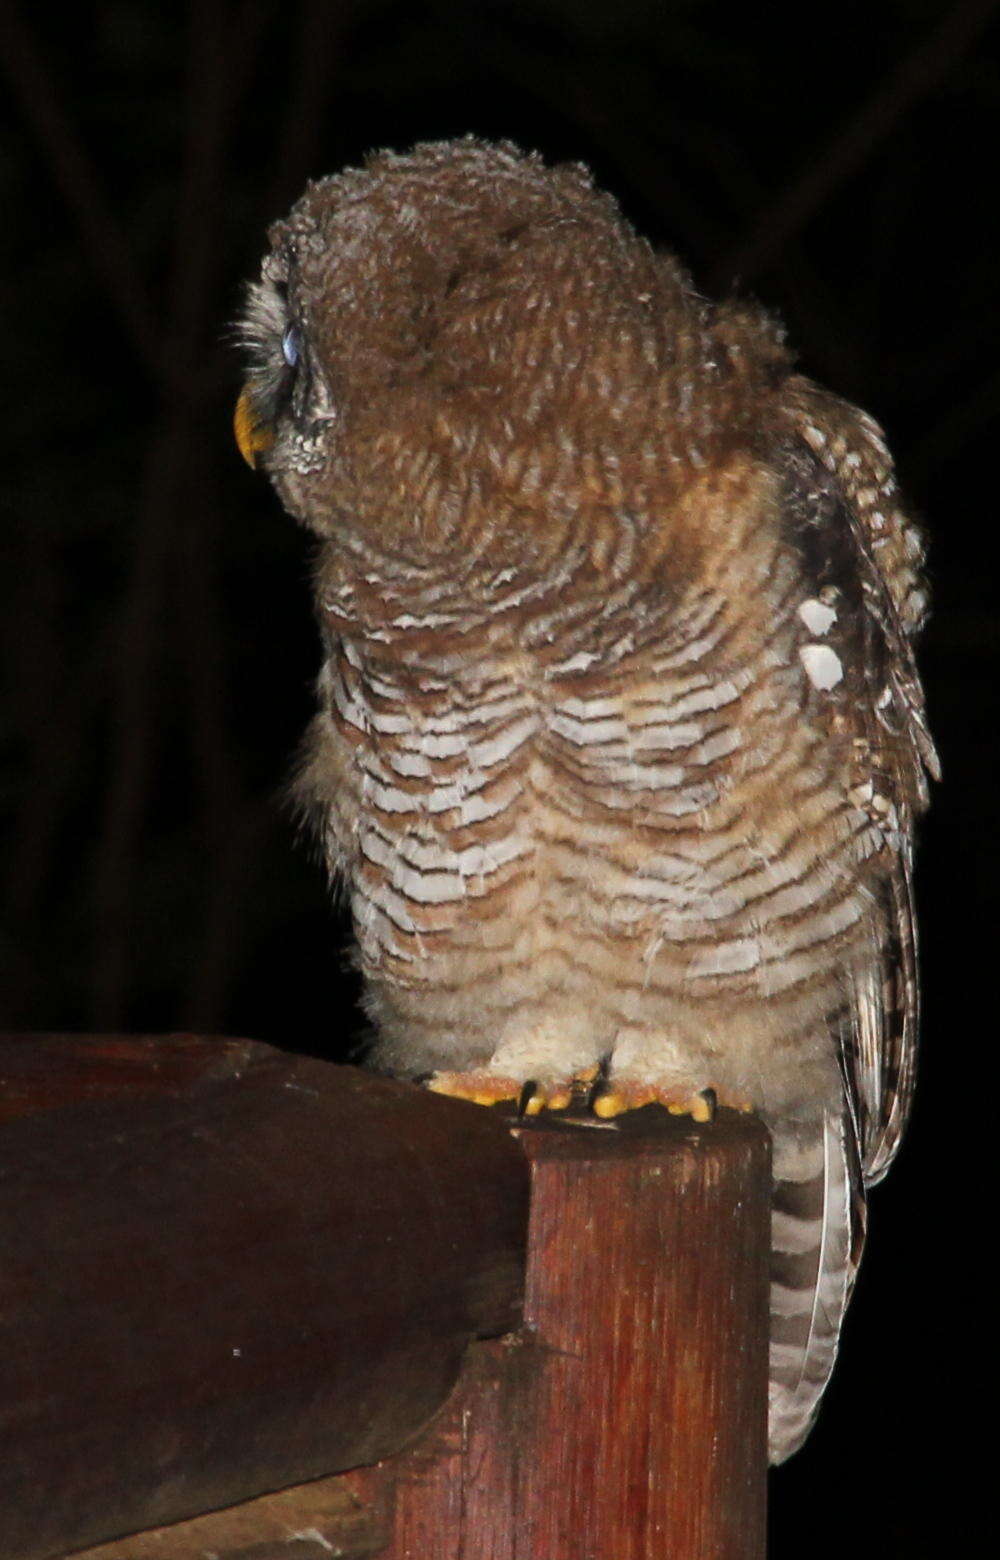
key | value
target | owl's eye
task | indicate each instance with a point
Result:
(290, 343)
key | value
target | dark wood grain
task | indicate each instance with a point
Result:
(311, 1521)
(227, 1269)
(624, 1421)
(627, 1421)
(41, 1072)
(308, 1522)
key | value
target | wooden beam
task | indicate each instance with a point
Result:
(624, 1421)
(356, 1238)
(227, 1269)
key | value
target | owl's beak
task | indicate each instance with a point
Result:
(252, 435)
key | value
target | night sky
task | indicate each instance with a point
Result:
(158, 646)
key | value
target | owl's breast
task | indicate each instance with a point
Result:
(633, 764)
(440, 829)
(694, 815)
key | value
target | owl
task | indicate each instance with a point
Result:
(620, 741)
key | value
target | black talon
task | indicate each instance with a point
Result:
(525, 1097)
(597, 1086)
(583, 1091)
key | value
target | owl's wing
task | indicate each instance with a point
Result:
(864, 555)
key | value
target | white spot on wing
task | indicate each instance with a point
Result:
(822, 666)
(817, 616)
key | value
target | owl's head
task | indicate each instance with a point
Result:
(459, 337)
(438, 299)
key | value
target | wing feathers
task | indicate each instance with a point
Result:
(817, 1235)
(845, 508)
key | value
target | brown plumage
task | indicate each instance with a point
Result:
(620, 739)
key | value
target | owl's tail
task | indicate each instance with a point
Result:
(817, 1233)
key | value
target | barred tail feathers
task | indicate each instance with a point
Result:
(817, 1231)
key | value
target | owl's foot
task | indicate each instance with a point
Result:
(624, 1094)
(482, 1088)
(559, 1093)
(485, 1088)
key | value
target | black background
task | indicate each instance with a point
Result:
(836, 162)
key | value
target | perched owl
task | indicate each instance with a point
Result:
(620, 739)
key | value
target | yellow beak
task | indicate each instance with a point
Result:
(252, 435)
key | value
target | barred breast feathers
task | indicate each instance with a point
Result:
(623, 745)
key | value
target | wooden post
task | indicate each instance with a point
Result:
(627, 1421)
(206, 1187)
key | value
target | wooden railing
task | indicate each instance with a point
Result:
(228, 1270)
